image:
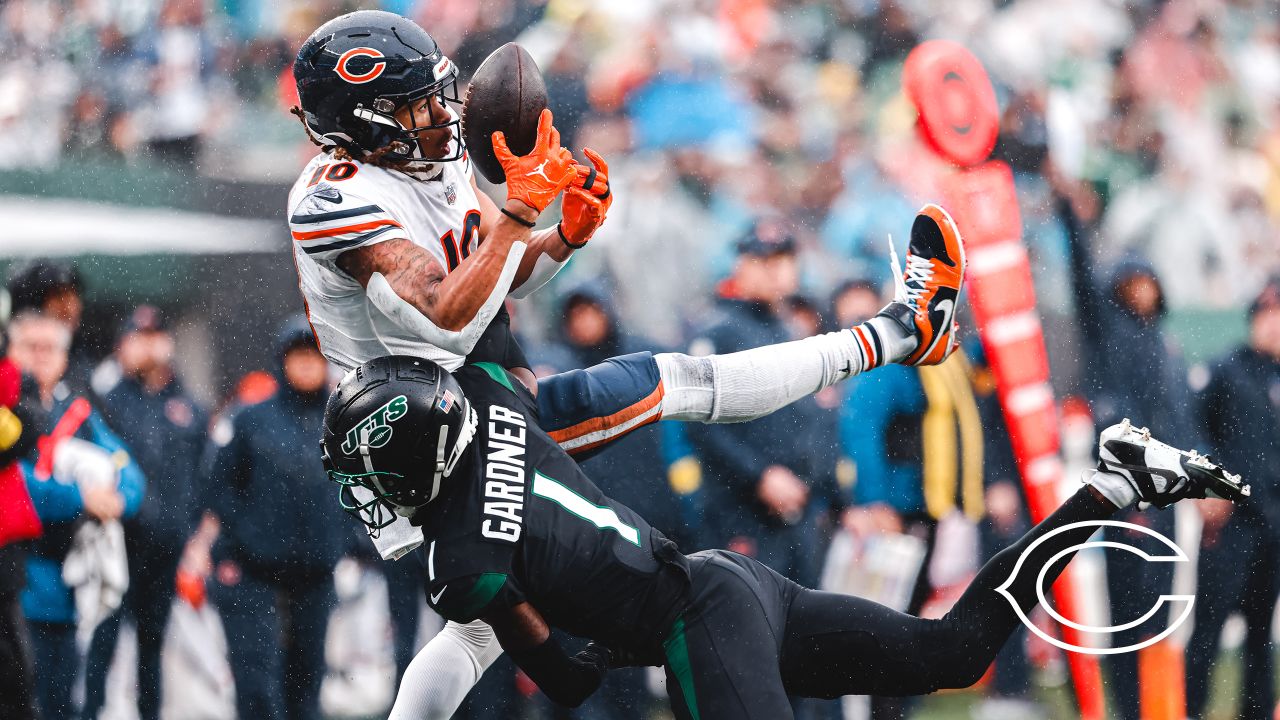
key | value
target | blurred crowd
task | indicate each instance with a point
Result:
(714, 112)
(761, 152)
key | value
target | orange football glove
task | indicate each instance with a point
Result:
(595, 178)
(537, 178)
(586, 202)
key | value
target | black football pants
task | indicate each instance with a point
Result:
(750, 637)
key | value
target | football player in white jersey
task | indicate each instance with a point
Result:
(398, 252)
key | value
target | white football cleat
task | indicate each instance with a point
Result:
(1160, 474)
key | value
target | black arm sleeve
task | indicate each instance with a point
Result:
(566, 680)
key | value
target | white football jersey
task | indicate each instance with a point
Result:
(338, 205)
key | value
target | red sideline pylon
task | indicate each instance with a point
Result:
(959, 119)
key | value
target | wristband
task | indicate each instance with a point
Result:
(565, 240)
(518, 219)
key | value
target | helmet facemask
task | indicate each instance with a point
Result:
(398, 143)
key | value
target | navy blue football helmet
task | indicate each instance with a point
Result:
(356, 70)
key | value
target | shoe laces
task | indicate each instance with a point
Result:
(909, 286)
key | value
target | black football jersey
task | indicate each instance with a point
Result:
(519, 521)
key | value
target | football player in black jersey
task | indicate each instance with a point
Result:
(518, 536)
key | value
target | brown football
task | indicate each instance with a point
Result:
(506, 93)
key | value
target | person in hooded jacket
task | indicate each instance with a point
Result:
(1239, 546)
(1133, 369)
(765, 481)
(281, 537)
(166, 429)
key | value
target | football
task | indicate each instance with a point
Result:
(506, 93)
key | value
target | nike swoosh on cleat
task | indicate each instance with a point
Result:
(940, 319)
(435, 599)
(1169, 475)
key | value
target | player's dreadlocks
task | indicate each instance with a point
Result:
(340, 153)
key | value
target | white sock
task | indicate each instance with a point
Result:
(444, 671)
(746, 385)
(1112, 486)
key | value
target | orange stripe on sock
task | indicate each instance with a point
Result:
(866, 347)
(606, 440)
(586, 427)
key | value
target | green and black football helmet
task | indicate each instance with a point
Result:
(356, 70)
(394, 430)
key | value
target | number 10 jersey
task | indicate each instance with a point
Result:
(339, 205)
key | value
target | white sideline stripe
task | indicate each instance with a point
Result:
(1046, 468)
(612, 431)
(1029, 399)
(994, 258)
(1012, 328)
(431, 561)
(601, 517)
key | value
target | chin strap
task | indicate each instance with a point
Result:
(462, 341)
(445, 466)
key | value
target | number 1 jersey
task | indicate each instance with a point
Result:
(340, 205)
(520, 522)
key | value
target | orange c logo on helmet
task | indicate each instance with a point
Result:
(379, 64)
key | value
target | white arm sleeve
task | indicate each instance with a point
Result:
(444, 671)
(459, 341)
(544, 268)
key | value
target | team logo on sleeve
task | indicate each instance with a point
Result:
(375, 430)
(374, 61)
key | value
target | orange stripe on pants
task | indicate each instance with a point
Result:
(603, 424)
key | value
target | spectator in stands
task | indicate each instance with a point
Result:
(856, 300)
(55, 288)
(1132, 370)
(21, 422)
(166, 428)
(1239, 546)
(180, 55)
(79, 472)
(762, 476)
(282, 534)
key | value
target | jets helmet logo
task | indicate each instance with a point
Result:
(377, 63)
(375, 430)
